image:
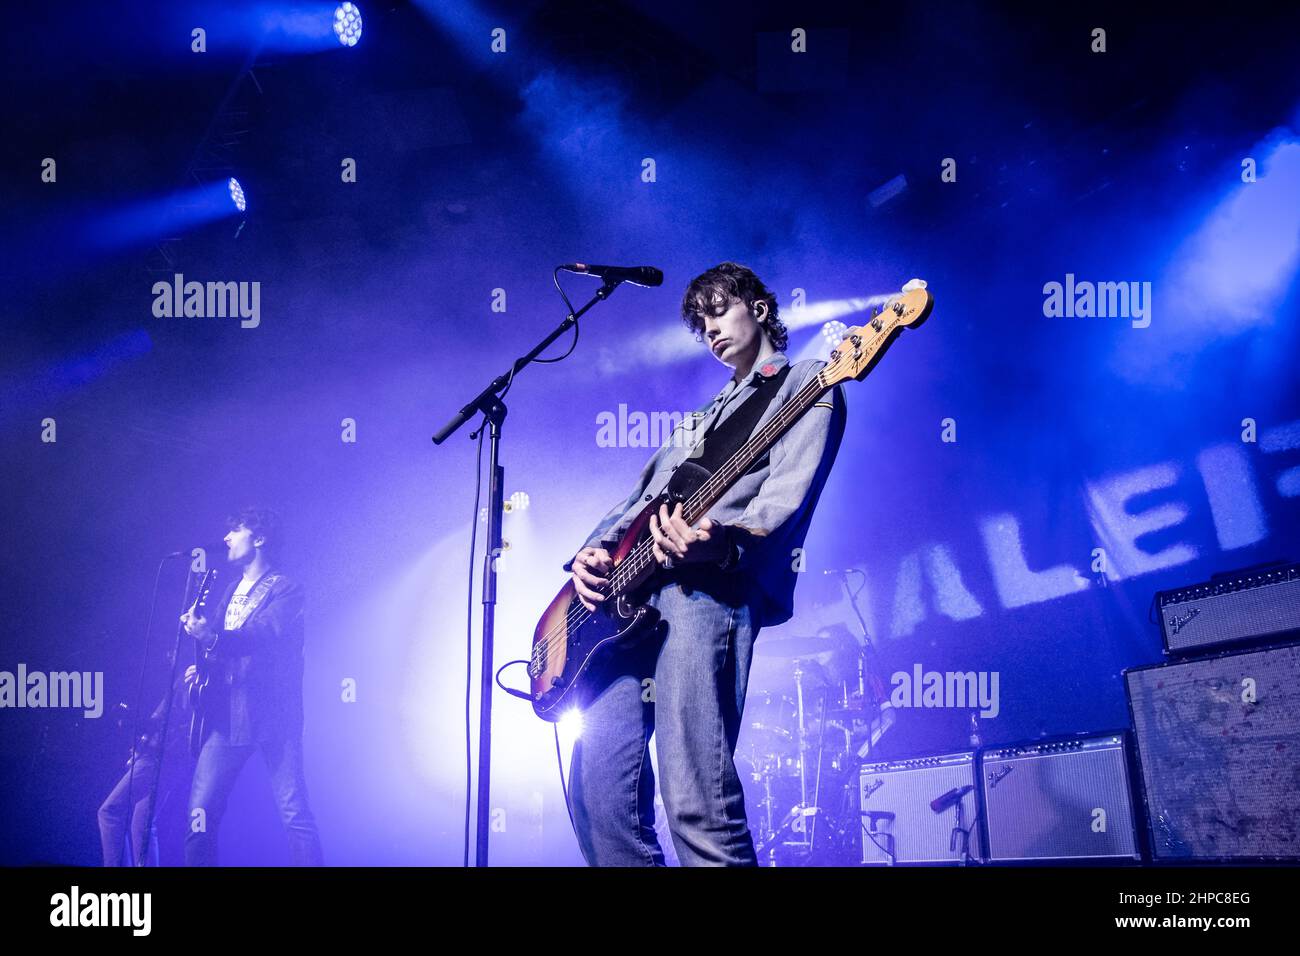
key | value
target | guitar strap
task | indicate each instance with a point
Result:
(726, 437)
(255, 597)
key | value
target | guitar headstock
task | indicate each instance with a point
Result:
(205, 591)
(863, 345)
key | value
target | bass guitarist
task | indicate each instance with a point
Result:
(720, 581)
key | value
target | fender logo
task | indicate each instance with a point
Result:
(1176, 623)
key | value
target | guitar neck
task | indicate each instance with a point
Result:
(755, 448)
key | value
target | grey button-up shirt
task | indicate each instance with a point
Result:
(769, 508)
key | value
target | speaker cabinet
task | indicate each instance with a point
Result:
(1218, 743)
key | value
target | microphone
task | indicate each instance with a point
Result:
(950, 799)
(647, 276)
(210, 548)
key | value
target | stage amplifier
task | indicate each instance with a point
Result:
(1239, 606)
(1059, 800)
(919, 811)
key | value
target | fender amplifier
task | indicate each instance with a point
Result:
(1218, 743)
(1237, 606)
(1059, 800)
(919, 811)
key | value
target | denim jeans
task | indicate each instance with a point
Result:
(699, 662)
(215, 774)
(114, 811)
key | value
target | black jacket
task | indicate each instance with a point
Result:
(257, 679)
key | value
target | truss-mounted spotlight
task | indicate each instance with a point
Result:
(347, 24)
(518, 501)
(833, 332)
(237, 195)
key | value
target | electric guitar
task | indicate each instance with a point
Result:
(198, 690)
(568, 636)
(147, 743)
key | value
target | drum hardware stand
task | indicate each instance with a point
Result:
(817, 785)
(801, 734)
(804, 812)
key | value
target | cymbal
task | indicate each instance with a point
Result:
(794, 647)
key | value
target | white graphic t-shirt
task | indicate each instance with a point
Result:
(235, 609)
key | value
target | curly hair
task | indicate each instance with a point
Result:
(712, 292)
(263, 523)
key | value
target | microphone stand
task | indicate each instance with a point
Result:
(162, 733)
(494, 412)
(960, 836)
(867, 651)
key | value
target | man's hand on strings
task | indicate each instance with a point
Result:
(589, 566)
(676, 542)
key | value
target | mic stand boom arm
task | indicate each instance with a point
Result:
(486, 401)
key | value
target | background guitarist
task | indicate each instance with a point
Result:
(721, 581)
(129, 798)
(254, 646)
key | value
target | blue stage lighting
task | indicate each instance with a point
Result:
(237, 194)
(347, 24)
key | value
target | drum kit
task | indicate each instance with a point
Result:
(804, 737)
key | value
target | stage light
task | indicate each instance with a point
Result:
(571, 724)
(347, 24)
(833, 332)
(518, 501)
(1234, 272)
(237, 194)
